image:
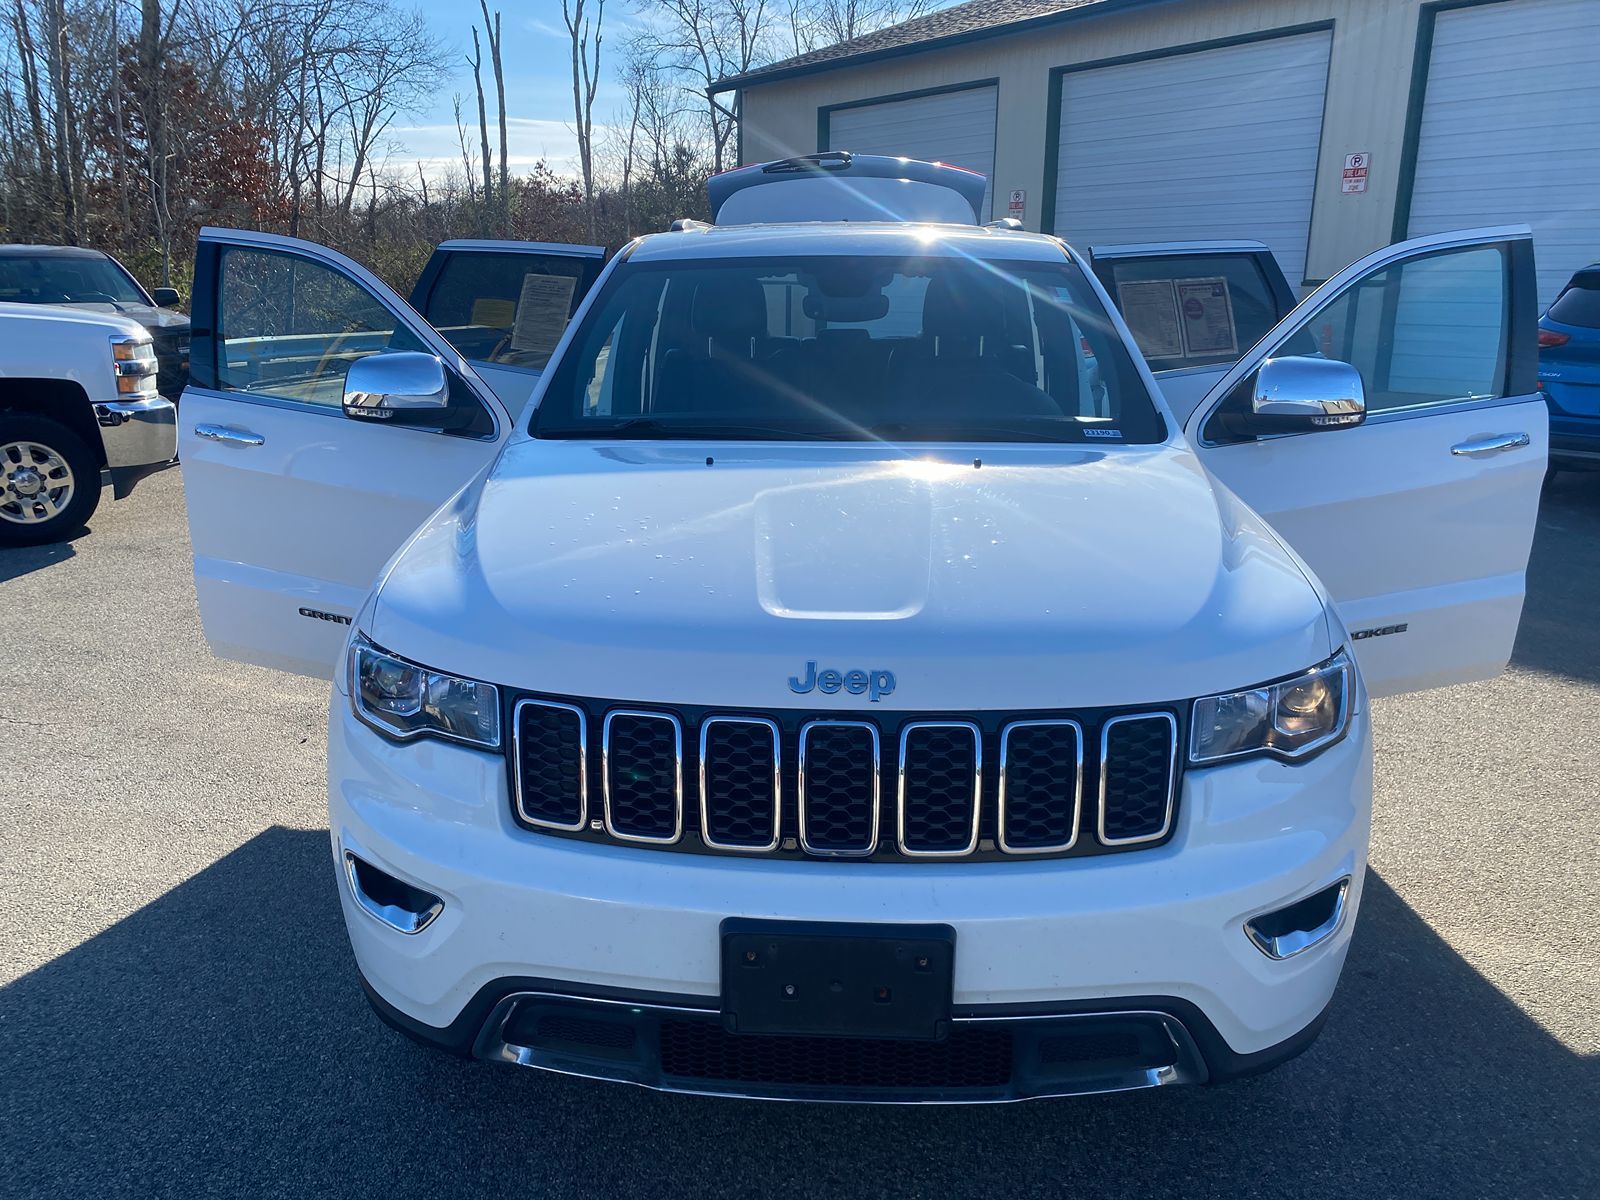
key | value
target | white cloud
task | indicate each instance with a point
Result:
(528, 141)
(534, 25)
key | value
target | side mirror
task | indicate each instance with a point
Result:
(166, 297)
(405, 387)
(1298, 395)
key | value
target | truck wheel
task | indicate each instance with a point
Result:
(49, 480)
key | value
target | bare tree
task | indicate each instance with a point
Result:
(585, 79)
(707, 40)
(814, 23)
(466, 155)
(483, 130)
(492, 32)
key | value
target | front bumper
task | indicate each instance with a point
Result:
(140, 437)
(1159, 932)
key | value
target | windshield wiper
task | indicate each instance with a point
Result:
(678, 431)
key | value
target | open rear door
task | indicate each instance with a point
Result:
(293, 507)
(1193, 307)
(1419, 521)
(505, 305)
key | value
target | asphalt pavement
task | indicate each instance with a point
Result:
(179, 1013)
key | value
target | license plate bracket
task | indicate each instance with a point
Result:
(837, 980)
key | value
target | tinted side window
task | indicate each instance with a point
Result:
(507, 308)
(289, 327)
(1422, 332)
(1193, 310)
(1579, 304)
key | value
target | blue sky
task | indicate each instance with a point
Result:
(538, 66)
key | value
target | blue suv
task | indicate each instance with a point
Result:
(1569, 371)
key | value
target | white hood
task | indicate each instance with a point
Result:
(1049, 577)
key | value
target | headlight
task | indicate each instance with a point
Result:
(133, 362)
(403, 700)
(1291, 719)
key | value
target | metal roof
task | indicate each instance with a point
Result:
(967, 22)
(22, 250)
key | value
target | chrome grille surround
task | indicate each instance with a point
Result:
(517, 782)
(771, 726)
(834, 792)
(870, 846)
(1106, 729)
(1077, 786)
(607, 764)
(902, 842)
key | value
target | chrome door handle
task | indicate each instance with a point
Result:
(233, 437)
(1490, 445)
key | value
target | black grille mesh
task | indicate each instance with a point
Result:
(1137, 777)
(642, 776)
(693, 1049)
(839, 785)
(550, 764)
(938, 806)
(741, 805)
(1041, 766)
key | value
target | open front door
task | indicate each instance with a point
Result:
(1418, 521)
(294, 507)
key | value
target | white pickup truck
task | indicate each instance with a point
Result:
(77, 396)
(843, 675)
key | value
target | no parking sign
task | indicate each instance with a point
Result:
(1355, 173)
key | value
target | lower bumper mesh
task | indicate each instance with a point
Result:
(703, 1051)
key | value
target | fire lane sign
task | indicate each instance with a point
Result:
(1355, 174)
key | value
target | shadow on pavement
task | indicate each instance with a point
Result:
(216, 1043)
(17, 561)
(1560, 633)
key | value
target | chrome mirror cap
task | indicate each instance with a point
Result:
(380, 386)
(1308, 393)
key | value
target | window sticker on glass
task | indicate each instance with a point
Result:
(1150, 307)
(1207, 309)
(542, 314)
(492, 313)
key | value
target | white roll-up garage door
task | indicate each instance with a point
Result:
(953, 127)
(1217, 143)
(1511, 129)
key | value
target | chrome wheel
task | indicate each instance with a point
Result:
(36, 484)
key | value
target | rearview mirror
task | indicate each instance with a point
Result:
(403, 387)
(1298, 395)
(165, 297)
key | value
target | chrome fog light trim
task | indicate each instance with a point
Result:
(1273, 933)
(401, 917)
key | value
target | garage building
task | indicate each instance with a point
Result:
(1324, 128)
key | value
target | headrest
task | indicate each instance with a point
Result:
(729, 306)
(961, 306)
(844, 337)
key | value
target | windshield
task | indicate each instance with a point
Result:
(66, 279)
(932, 348)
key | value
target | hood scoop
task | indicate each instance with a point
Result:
(875, 569)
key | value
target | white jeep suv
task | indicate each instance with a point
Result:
(848, 680)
